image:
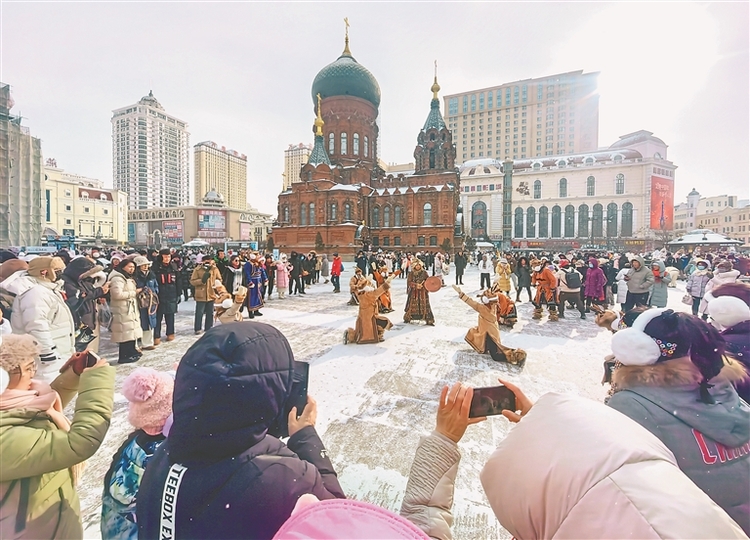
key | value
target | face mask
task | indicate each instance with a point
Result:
(701, 267)
(206, 266)
(591, 265)
(537, 268)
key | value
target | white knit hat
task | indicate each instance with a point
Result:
(728, 311)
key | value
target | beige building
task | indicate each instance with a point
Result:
(150, 155)
(712, 205)
(688, 215)
(211, 221)
(731, 221)
(548, 116)
(221, 170)
(600, 198)
(81, 210)
(294, 157)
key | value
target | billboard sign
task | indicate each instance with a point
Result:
(662, 203)
(212, 223)
(173, 231)
(141, 233)
(246, 230)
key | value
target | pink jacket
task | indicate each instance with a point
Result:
(575, 468)
(282, 275)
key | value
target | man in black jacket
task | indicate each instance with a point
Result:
(169, 277)
(296, 283)
(220, 474)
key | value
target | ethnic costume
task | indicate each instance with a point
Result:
(545, 281)
(370, 325)
(384, 302)
(485, 337)
(357, 282)
(418, 299)
(506, 308)
(256, 279)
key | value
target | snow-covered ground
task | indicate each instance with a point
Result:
(375, 401)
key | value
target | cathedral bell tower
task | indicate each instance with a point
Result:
(435, 151)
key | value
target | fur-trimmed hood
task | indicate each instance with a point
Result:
(673, 387)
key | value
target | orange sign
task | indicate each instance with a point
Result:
(662, 203)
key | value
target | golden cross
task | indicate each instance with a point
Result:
(346, 22)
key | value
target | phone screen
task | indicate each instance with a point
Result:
(491, 400)
(297, 398)
(92, 358)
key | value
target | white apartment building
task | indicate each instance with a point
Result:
(547, 116)
(601, 198)
(82, 209)
(221, 170)
(150, 155)
(294, 157)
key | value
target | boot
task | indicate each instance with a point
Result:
(553, 315)
(157, 341)
(537, 313)
(170, 337)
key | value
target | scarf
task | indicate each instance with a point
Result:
(236, 278)
(41, 397)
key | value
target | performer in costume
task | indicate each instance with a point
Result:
(545, 281)
(485, 337)
(506, 308)
(370, 325)
(355, 283)
(229, 309)
(384, 302)
(418, 299)
(256, 279)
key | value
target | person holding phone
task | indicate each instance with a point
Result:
(41, 451)
(223, 462)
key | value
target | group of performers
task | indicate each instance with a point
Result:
(494, 309)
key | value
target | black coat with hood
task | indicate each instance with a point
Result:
(80, 290)
(169, 278)
(236, 480)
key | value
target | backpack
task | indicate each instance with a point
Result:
(572, 279)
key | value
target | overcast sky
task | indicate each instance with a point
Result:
(240, 73)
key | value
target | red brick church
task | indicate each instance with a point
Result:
(346, 197)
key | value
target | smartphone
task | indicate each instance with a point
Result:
(91, 359)
(491, 400)
(298, 398)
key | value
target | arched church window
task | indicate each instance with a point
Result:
(355, 144)
(367, 146)
(343, 144)
(330, 143)
(427, 214)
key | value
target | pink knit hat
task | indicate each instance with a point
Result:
(339, 519)
(150, 395)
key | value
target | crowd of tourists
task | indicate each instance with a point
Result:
(220, 450)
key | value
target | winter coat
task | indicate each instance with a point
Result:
(460, 262)
(204, 284)
(40, 310)
(738, 347)
(36, 455)
(711, 442)
(595, 281)
(696, 283)
(429, 492)
(572, 468)
(562, 277)
(121, 484)
(81, 294)
(361, 262)
(148, 314)
(366, 327)
(296, 270)
(325, 267)
(126, 318)
(282, 275)
(232, 278)
(640, 281)
(622, 286)
(524, 275)
(336, 266)
(718, 279)
(503, 272)
(659, 291)
(169, 280)
(237, 481)
(487, 325)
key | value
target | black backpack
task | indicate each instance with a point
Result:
(572, 279)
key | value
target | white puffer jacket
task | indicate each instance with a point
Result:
(40, 310)
(126, 319)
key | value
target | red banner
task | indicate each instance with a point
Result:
(662, 203)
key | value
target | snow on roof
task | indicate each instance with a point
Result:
(345, 187)
(703, 237)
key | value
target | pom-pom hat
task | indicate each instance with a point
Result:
(728, 311)
(150, 395)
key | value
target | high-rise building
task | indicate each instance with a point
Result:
(294, 157)
(548, 116)
(21, 179)
(150, 155)
(221, 170)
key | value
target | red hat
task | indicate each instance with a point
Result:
(563, 263)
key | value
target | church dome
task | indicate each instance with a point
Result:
(346, 77)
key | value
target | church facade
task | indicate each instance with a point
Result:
(346, 198)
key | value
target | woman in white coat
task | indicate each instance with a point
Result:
(622, 284)
(126, 319)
